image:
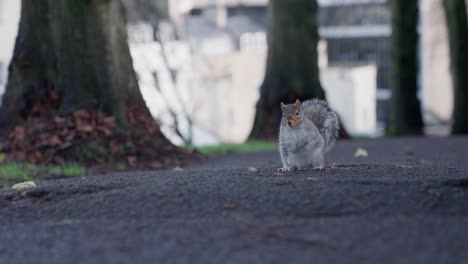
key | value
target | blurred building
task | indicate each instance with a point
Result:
(9, 18)
(436, 81)
(200, 72)
(227, 43)
(351, 91)
(358, 32)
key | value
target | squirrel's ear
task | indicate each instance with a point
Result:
(298, 105)
(283, 106)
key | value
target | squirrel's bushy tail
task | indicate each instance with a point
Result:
(324, 118)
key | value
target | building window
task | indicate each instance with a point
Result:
(196, 12)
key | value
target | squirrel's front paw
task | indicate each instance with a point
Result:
(319, 168)
(288, 169)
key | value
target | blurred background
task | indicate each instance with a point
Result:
(200, 63)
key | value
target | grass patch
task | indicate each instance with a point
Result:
(121, 166)
(249, 146)
(73, 170)
(14, 172)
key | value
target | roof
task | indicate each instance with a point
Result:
(348, 2)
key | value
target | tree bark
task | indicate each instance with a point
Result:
(405, 116)
(455, 11)
(292, 68)
(78, 48)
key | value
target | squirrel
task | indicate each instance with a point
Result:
(307, 131)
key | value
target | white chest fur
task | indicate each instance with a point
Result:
(303, 145)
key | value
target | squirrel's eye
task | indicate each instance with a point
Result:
(297, 113)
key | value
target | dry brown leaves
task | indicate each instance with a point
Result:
(66, 137)
(39, 139)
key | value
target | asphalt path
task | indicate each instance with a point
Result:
(406, 202)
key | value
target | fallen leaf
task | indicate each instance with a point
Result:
(55, 141)
(59, 120)
(229, 206)
(19, 133)
(131, 161)
(85, 128)
(360, 152)
(83, 114)
(35, 156)
(24, 185)
(114, 146)
(105, 130)
(109, 122)
(70, 136)
(178, 169)
(151, 127)
(65, 145)
(406, 167)
(253, 169)
(64, 132)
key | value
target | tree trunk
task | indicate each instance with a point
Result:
(455, 11)
(405, 117)
(77, 49)
(292, 70)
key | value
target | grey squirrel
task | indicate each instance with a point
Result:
(307, 131)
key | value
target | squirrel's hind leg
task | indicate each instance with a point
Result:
(318, 162)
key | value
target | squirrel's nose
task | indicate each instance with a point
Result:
(289, 123)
